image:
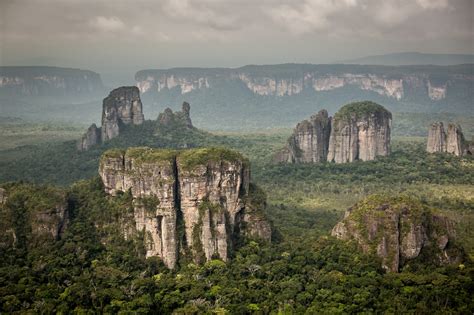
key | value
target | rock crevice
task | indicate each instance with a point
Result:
(189, 202)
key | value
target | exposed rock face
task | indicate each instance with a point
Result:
(122, 107)
(455, 143)
(44, 223)
(182, 118)
(398, 230)
(431, 83)
(309, 142)
(452, 142)
(436, 138)
(203, 192)
(360, 131)
(91, 138)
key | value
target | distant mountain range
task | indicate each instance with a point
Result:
(413, 58)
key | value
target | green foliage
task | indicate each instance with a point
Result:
(360, 109)
(189, 159)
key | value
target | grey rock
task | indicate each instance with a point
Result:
(398, 230)
(203, 192)
(91, 138)
(309, 142)
(436, 138)
(360, 131)
(122, 107)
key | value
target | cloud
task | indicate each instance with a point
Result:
(310, 15)
(433, 4)
(107, 24)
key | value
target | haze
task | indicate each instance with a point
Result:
(124, 36)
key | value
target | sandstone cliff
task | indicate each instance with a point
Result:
(360, 131)
(398, 83)
(452, 141)
(122, 107)
(91, 138)
(398, 230)
(31, 215)
(202, 192)
(436, 138)
(309, 142)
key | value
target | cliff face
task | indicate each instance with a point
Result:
(122, 107)
(396, 83)
(31, 216)
(360, 131)
(436, 138)
(91, 138)
(398, 230)
(202, 192)
(452, 142)
(48, 81)
(309, 142)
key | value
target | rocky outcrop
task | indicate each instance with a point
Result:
(205, 193)
(48, 81)
(398, 230)
(436, 138)
(91, 138)
(360, 131)
(452, 142)
(122, 107)
(309, 142)
(176, 119)
(31, 215)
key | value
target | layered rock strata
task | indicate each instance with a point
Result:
(193, 202)
(397, 230)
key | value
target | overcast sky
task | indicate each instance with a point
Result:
(124, 35)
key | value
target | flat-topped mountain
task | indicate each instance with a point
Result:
(206, 193)
(48, 81)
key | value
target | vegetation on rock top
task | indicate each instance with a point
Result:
(360, 109)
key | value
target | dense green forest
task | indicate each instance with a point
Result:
(303, 270)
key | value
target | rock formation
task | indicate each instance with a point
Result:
(122, 107)
(205, 193)
(452, 142)
(436, 138)
(360, 131)
(309, 142)
(31, 215)
(180, 119)
(91, 138)
(399, 229)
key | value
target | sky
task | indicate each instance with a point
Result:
(128, 35)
